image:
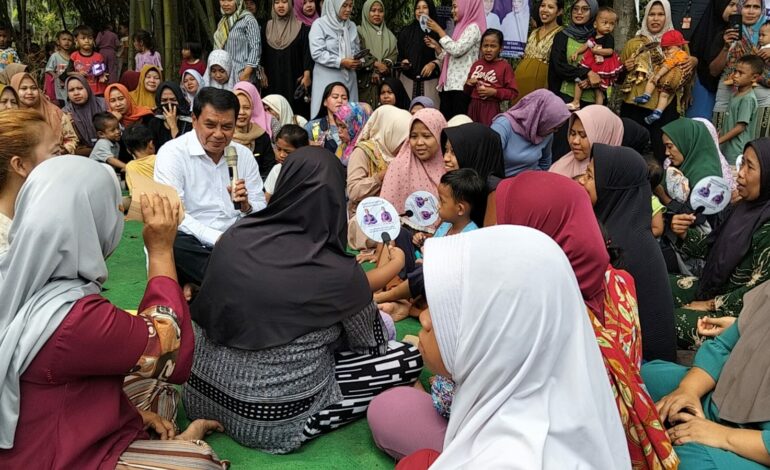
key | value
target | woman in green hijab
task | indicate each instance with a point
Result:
(692, 151)
(383, 52)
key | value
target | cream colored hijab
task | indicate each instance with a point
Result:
(602, 126)
(512, 329)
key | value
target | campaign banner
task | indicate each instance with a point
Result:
(512, 18)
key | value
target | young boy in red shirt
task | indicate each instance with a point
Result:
(86, 62)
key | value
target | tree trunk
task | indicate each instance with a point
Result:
(627, 24)
(168, 42)
(201, 13)
(133, 15)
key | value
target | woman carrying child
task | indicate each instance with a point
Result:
(490, 81)
(599, 56)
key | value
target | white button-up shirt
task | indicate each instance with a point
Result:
(202, 185)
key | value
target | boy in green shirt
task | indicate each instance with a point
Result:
(741, 112)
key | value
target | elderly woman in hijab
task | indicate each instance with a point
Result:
(31, 97)
(58, 328)
(617, 182)
(374, 35)
(379, 142)
(717, 409)
(253, 128)
(333, 46)
(593, 124)
(81, 106)
(736, 253)
(295, 296)
(9, 99)
(286, 55)
(494, 337)
(527, 131)
(172, 114)
(238, 34)
(639, 56)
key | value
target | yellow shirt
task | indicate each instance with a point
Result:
(144, 166)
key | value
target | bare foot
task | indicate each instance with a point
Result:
(199, 429)
(397, 310)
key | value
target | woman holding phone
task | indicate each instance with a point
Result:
(739, 39)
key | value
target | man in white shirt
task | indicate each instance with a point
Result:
(195, 166)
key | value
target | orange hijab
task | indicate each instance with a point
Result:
(133, 112)
(52, 114)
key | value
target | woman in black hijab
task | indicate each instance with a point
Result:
(392, 91)
(172, 114)
(476, 146)
(737, 253)
(420, 68)
(279, 296)
(617, 182)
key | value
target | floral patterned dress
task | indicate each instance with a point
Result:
(753, 270)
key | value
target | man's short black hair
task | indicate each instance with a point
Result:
(102, 120)
(755, 62)
(220, 100)
(294, 135)
(136, 138)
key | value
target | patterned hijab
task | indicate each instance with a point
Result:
(281, 31)
(407, 173)
(141, 95)
(602, 126)
(298, 13)
(536, 115)
(378, 39)
(82, 114)
(564, 213)
(198, 78)
(227, 23)
(133, 112)
(67, 222)
(354, 116)
(221, 58)
(470, 12)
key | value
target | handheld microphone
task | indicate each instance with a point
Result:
(408, 213)
(231, 156)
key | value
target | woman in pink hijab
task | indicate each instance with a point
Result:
(419, 165)
(458, 53)
(591, 125)
(305, 11)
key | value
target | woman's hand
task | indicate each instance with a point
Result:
(350, 63)
(677, 401)
(680, 223)
(418, 239)
(381, 68)
(406, 65)
(764, 54)
(436, 28)
(730, 36)
(699, 430)
(427, 71)
(117, 115)
(712, 327)
(161, 220)
(629, 64)
(165, 428)
(702, 305)
(432, 43)
(305, 80)
(169, 114)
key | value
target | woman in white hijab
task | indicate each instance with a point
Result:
(507, 322)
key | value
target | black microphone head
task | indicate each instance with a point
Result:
(699, 210)
(408, 213)
(385, 238)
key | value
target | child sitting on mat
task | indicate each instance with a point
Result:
(460, 193)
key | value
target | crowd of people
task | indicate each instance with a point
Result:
(561, 289)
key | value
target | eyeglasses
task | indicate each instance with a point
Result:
(582, 9)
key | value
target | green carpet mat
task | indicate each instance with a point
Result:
(350, 447)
